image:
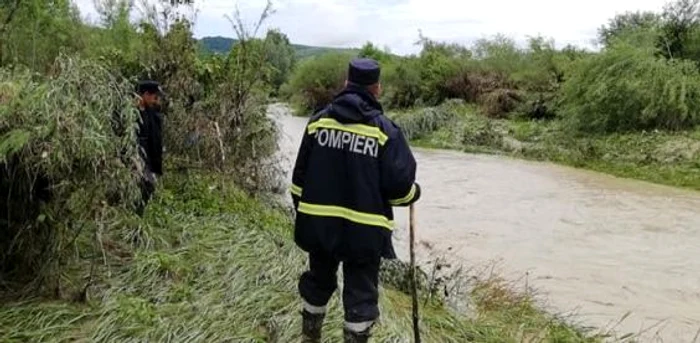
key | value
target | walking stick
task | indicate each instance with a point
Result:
(411, 224)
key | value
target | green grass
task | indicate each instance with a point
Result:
(212, 264)
(669, 158)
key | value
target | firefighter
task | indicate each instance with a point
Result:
(354, 164)
(150, 138)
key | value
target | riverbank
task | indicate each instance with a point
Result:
(212, 264)
(669, 158)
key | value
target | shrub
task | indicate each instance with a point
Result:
(627, 88)
(316, 80)
(438, 64)
(34, 32)
(236, 122)
(370, 51)
(62, 161)
(215, 116)
(401, 83)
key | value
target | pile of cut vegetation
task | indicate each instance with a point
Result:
(416, 124)
(64, 164)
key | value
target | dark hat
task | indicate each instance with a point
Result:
(150, 87)
(363, 71)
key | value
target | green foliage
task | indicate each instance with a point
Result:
(625, 88)
(401, 82)
(438, 64)
(60, 167)
(429, 78)
(681, 24)
(370, 51)
(495, 74)
(675, 31)
(627, 22)
(316, 80)
(34, 32)
(280, 56)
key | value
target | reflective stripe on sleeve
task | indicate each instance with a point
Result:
(296, 190)
(406, 199)
(346, 213)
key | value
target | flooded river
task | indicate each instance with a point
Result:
(592, 245)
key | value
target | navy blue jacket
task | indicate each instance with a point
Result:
(150, 136)
(353, 165)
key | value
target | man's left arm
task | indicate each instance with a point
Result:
(299, 173)
(398, 170)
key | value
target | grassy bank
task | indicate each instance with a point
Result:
(211, 264)
(670, 158)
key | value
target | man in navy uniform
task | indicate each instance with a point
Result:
(353, 166)
(150, 138)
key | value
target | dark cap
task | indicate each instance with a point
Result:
(148, 86)
(363, 71)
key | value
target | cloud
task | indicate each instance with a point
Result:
(396, 23)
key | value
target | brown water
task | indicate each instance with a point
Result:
(591, 244)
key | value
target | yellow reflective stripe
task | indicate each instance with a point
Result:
(405, 199)
(360, 129)
(296, 190)
(346, 213)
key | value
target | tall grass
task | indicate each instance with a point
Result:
(62, 158)
(222, 268)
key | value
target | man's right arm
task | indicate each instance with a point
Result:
(398, 168)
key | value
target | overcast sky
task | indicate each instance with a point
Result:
(395, 23)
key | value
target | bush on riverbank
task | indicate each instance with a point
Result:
(492, 74)
(316, 80)
(627, 88)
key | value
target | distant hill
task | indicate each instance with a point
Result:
(222, 45)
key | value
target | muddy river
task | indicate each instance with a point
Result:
(593, 246)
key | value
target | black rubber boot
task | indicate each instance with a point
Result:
(356, 337)
(311, 327)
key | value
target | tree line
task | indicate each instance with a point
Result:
(644, 77)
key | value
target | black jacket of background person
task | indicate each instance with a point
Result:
(353, 165)
(150, 138)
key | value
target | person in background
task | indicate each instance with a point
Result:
(353, 165)
(150, 138)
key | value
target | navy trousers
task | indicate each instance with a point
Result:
(360, 289)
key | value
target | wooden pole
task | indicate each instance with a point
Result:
(411, 223)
